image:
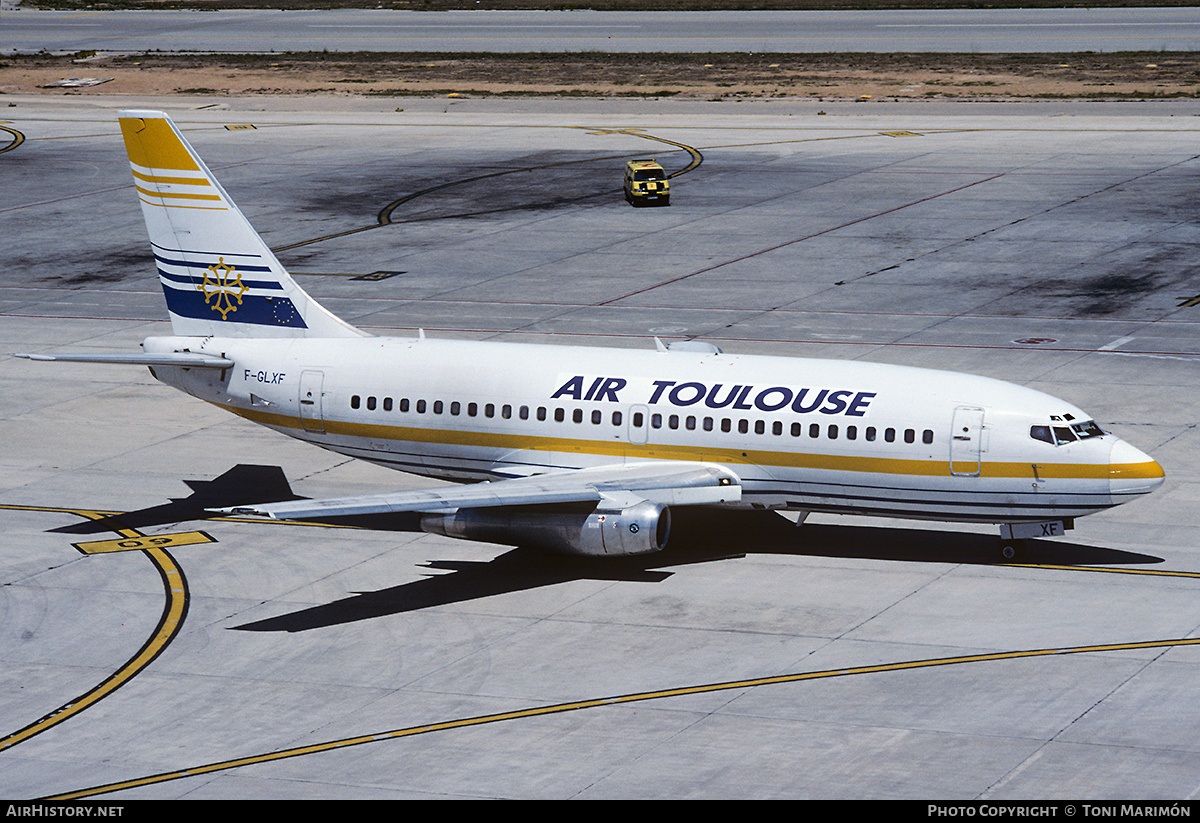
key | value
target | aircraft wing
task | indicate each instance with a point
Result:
(668, 483)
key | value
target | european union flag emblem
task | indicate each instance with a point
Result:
(283, 312)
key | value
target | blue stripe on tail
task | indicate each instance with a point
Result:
(258, 310)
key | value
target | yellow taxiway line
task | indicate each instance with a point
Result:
(174, 611)
(558, 708)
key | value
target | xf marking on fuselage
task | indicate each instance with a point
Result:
(268, 377)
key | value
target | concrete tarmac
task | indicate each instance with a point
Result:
(150, 651)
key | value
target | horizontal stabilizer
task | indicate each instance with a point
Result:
(667, 483)
(193, 360)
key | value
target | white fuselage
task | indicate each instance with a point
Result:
(811, 435)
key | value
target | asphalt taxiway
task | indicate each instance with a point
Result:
(1037, 30)
(150, 651)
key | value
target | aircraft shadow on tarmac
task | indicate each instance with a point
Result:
(698, 536)
(265, 484)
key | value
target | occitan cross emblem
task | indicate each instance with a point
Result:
(221, 283)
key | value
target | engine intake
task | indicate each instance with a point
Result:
(640, 529)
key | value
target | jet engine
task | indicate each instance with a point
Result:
(639, 529)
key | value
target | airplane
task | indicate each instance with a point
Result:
(587, 450)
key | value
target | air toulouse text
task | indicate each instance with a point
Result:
(744, 397)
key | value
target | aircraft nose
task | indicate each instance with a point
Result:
(1132, 472)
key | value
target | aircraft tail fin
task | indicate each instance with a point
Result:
(218, 276)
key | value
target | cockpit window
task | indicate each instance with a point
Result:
(1041, 433)
(1060, 435)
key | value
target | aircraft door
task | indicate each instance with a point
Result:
(966, 441)
(312, 415)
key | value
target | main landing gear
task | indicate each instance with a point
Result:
(1012, 551)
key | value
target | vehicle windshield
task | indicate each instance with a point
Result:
(649, 174)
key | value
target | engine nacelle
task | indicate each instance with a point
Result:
(640, 529)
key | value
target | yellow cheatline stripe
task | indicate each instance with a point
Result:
(178, 195)
(180, 205)
(178, 181)
(659, 451)
(174, 610)
(559, 708)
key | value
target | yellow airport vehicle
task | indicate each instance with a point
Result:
(646, 182)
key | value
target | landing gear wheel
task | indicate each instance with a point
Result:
(1012, 551)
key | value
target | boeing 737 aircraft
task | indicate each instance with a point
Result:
(621, 435)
